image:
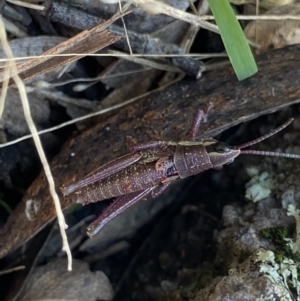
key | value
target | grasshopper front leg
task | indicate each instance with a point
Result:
(200, 117)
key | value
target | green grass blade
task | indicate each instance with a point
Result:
(5, 206)
(234, 39)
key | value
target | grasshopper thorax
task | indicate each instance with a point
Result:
(191, 158)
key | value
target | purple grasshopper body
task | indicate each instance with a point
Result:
(152, 166)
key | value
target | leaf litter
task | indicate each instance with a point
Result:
(123, 127)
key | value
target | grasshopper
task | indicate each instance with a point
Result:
(152, 166)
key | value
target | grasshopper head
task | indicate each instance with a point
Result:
(222, 154)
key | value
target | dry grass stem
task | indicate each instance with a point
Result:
(5, 82)
(26, 4)
(35, 136)
(125, 103)
(125, 29)
(15, 269)
(162, 8)
(122, 55)
(87, 79)
(262, 18)
(148, 63)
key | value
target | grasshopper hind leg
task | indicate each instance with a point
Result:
(103, 172)
(118, 206)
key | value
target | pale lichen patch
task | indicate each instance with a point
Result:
(259, 187)
(288, 197)
(32, 208)
(293, 211)
(284, 273)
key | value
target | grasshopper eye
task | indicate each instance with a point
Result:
(221, 147)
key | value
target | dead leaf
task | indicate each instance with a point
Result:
(53, 281)
(34, 46)
(31, 46)
(13, 119)
(268, 34)
(267, 4)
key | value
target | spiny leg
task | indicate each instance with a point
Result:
(119, 205)
(102, 172)
(200, 117)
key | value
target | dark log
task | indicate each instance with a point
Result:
(164, 115)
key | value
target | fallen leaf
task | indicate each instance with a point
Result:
(53, 281)
(13, 119)
(263, 3)
(31, 46)
(274, 34)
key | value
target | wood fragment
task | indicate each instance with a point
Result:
(87, 41)
(140, 44)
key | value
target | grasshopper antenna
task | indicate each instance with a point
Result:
(264, 137)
